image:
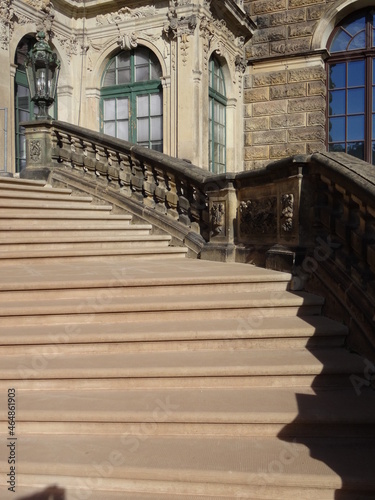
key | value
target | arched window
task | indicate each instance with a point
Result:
(217, 121)
(351, 87)
(132, 99)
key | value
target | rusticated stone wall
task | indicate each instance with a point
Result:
(285, 89)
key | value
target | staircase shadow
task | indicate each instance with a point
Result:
(50, 493)
(332, 442)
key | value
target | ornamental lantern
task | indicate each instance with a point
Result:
(42, 70)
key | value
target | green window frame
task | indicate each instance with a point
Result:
(351, 86)
(217, 118)
(131, 105)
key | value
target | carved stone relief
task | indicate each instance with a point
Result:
(258, 217)
(217, 219)
(35, 151)
(286, 216)
(126, 13)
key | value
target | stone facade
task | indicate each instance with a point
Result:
(272, 53)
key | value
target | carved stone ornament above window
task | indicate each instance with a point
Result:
(126, 13)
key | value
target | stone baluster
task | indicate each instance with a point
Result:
(149, 185)
(171, 196)
(89, 157)
(137, 180)
(101, 166)
(160, 191)
(125, 174)
(113, 167)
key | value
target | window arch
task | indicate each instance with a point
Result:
(132, 99)
(351, 86)
(217, 117)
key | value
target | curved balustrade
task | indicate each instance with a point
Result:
(317, 211)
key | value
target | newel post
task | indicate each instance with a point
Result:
(39, 149)
(222, 209)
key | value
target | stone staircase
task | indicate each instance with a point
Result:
(142, 374)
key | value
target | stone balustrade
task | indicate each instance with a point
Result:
(311, 214)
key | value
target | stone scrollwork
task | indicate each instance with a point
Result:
(287, 212)
(180, 28)
(126, 13)
(258, 217)
(7, 19)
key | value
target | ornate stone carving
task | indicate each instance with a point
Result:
(128, 41)
(258, 217)
(70, 45)
(46, 7)
(181, 28)
(287, 208)
(217, 219)
(7, 19)
(35, 151)
(126, 13)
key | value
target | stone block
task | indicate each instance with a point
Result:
(315, 12)
(257, 153)
(269, 137)
(257, 123)
(307, 74)
(302, 3)
(278, 19)
(268, 6)
(282, 91)
(315, 147)
(270, 34)
(258, 51)
(316, 88)
(287, 121)
(256, 95)
(306, 134)
(291, 46)
(296, 16)
(306, 104)
(286, 150)
(270, 108)
(316, 118)
(301, 29)
(268, 79)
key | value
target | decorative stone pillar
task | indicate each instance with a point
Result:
(39, 149)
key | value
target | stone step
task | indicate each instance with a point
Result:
(122, 229)
(200, 306)
(189, 334)
(20, 204)
(17, 181)
(234, 467)
(56, 212)
(294, 412)
(80, 242)
(17, 188)
(89, 255)
(53, 362)
(34, 218)
(9, 195)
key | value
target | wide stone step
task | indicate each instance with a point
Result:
(264, 332)
(70, 204)
(95, 229)
(82, 242)
(235, 467)
(34, 218)
(199, 306)
(290, 412)
(57, 363)
(21, 189)
(89, 255)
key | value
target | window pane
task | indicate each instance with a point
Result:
(337, 102)
(123, 76)
(142, 106)
(123, 130)
(109, 78)
(337, 76)
(123, 60)
(373, 153)
(142, 130)
(156, 104)
(356, 73)
(110, 128)
(373, 127)
(356, 128)
(155, 69)
(358, 42)
(141, 56)
(109, 109)
(336, 129)
(337, 148)
(356, 149)
(122, 108)
(356, 101)
(156, 128)
(340, 41)
(353, 26)
(142, 73)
